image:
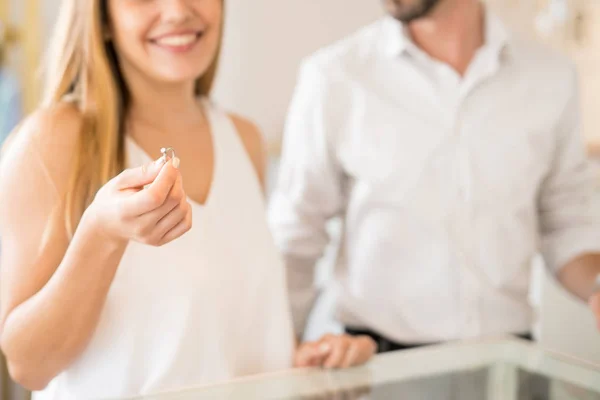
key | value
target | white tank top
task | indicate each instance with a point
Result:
(207, 307)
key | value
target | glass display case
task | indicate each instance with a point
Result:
(499, 369)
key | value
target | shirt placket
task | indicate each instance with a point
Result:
(469, 296)
(455, 94)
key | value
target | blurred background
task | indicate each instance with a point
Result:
(255, 83)
(258, 75)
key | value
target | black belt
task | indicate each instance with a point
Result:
(384, 345)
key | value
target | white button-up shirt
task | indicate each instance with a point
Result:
(448, 186)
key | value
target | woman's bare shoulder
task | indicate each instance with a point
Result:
(44, 143)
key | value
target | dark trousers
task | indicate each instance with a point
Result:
(384, 345)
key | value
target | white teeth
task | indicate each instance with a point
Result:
(181, 40)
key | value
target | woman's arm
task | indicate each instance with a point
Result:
(52, 290)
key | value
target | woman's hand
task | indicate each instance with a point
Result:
(335, 351)
(145, 204)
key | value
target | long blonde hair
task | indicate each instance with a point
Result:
(82, 65)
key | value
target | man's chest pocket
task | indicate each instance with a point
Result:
(511, 167)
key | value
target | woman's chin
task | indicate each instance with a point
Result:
(178, 77)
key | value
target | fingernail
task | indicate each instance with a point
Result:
(160, 161)
(176, 162)
(324, 347)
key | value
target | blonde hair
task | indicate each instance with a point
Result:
(83, 66)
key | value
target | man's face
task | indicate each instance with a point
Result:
(409, 10)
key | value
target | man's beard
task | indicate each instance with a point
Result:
(409, 12)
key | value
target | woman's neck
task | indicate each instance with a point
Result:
(162, 106)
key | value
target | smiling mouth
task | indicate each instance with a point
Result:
(178, 41)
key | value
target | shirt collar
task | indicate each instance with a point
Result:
(396, 40)
(497, 37)
(394, 37)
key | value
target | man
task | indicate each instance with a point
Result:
(453, 153)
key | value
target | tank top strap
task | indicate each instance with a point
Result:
(233, 165)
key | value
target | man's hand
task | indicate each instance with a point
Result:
(581, 277)
(331, 351)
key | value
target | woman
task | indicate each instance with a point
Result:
(119, 280)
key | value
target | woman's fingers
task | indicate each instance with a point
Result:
(180, 229)
(136, 178)
(155, 194)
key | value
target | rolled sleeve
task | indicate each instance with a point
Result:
(569, 208)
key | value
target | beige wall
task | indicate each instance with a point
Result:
(580, 41)
(264, 43)
(24, 58)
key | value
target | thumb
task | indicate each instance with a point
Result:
(140, 176)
